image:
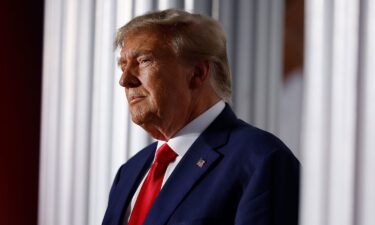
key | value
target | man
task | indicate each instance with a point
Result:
(207, 167)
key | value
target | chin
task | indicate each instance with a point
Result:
(137, 119)
(137, 116)
(138, 113)
(141, 117)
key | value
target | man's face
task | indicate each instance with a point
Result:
(156, 82)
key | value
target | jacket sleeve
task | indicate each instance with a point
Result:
(271, 196)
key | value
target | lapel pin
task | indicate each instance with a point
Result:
(201, 163)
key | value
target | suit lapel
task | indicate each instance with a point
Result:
(128, 185)
(190, 168)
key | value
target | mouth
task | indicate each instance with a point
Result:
(135, 98)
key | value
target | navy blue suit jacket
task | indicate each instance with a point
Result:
(250, 178)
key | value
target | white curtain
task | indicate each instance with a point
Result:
(87, 132)
(338, 150)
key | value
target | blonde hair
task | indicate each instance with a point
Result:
(193, 36)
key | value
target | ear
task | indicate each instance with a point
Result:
(201, 74)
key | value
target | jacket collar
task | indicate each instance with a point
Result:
(138, 165)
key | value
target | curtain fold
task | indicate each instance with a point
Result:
(337, 151)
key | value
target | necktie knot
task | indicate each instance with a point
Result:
(165, 154)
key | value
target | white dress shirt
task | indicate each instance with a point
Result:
(182, 141)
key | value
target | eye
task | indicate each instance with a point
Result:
(144, 61)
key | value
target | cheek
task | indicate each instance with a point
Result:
(166, 85)
(155, 85)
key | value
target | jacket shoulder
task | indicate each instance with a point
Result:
(256, 144)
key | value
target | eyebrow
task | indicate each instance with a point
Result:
(134, 54)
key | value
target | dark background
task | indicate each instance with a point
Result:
(21, 38)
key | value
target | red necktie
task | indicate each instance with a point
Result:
(152, 184)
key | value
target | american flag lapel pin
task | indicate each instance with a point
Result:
(201, 163)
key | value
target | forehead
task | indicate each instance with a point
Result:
(146, 42)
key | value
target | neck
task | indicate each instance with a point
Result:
(168, 129)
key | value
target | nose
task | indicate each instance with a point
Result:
(129, 78)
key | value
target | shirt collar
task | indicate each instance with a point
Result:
(185, 137)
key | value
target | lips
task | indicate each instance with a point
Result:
(135, 98)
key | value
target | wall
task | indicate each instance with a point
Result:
(21, 25)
